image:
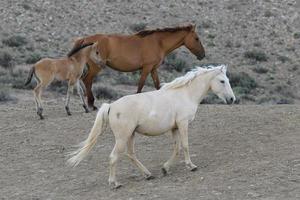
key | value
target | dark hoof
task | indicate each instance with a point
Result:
(150, 177)
(117, 186)
(94, 107)
(68, 110)
(41, 116)
(194, 169)
(85, 108)
(164, 171)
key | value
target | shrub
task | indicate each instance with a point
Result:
(283, 58)
(5, 95)
(172, 62)
(15, 41)
(33, 58)
(6, 59)
(256, 55)
(211, 99)
(242, 83)
(297, 35)
(138, 27)
(59, 86)
(260, 70)
(105, 92)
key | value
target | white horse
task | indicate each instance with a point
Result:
(153, 113)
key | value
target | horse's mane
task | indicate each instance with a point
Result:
(187, 78)
(167, 29)
(78, 48)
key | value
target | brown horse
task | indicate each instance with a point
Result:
(144, 50)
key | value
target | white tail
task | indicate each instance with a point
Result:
(87, 145)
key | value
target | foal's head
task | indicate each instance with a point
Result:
(220, 85)
(193, 43)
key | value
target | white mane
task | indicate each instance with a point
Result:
(188, 77)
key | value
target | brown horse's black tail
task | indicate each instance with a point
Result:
(31, 72)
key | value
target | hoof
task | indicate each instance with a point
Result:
(149, 177)
(85, 108)
(115, 185)
(164, 171)
(68, 110)
(41, 116)
(94, 108)
(194, 168)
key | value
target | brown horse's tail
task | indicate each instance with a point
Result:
(30, 74)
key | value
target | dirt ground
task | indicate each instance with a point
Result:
(242, 151)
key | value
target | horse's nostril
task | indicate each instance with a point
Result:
(231, 99)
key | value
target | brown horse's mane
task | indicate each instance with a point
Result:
(76, 49)
(167, 29)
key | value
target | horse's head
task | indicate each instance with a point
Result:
(95, 54)
(220, 85)
(193, 43)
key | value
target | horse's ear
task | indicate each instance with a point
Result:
(95, 44)
(75, 39)
(193, 27)
(223, 68)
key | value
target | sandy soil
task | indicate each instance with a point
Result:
(243, 152)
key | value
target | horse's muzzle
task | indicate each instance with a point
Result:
(200, 57)
(230, 100)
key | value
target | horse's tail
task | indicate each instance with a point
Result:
(30, 74)
(86, 146)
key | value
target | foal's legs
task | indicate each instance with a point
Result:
(133, 158)
(70, 89)
(176, 139)
(183, 132)
(81, 94)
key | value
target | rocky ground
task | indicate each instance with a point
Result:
(243, 152)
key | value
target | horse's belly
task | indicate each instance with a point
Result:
(153, 127)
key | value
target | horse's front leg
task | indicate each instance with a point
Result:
(176, 140)
(145, 71)
(155, 78)
(93, 70)
(183, 132)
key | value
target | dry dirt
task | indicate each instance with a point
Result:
(242, 151)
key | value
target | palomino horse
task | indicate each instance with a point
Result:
(154, 113)
(144, 50)
(70, 68)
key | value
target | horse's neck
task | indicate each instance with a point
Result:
(81, 57)
(199, 87)
(171, 41)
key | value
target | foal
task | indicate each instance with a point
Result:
(69, 68)
(169, 109)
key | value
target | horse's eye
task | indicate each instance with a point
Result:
(197, 39)
(97, 52)
(222, 81)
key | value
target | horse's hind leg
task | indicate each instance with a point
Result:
(37, 95)
(176, 139)
(133, 158)
(70, 89)
(183, 132)
(114, 157)
(81, 94)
